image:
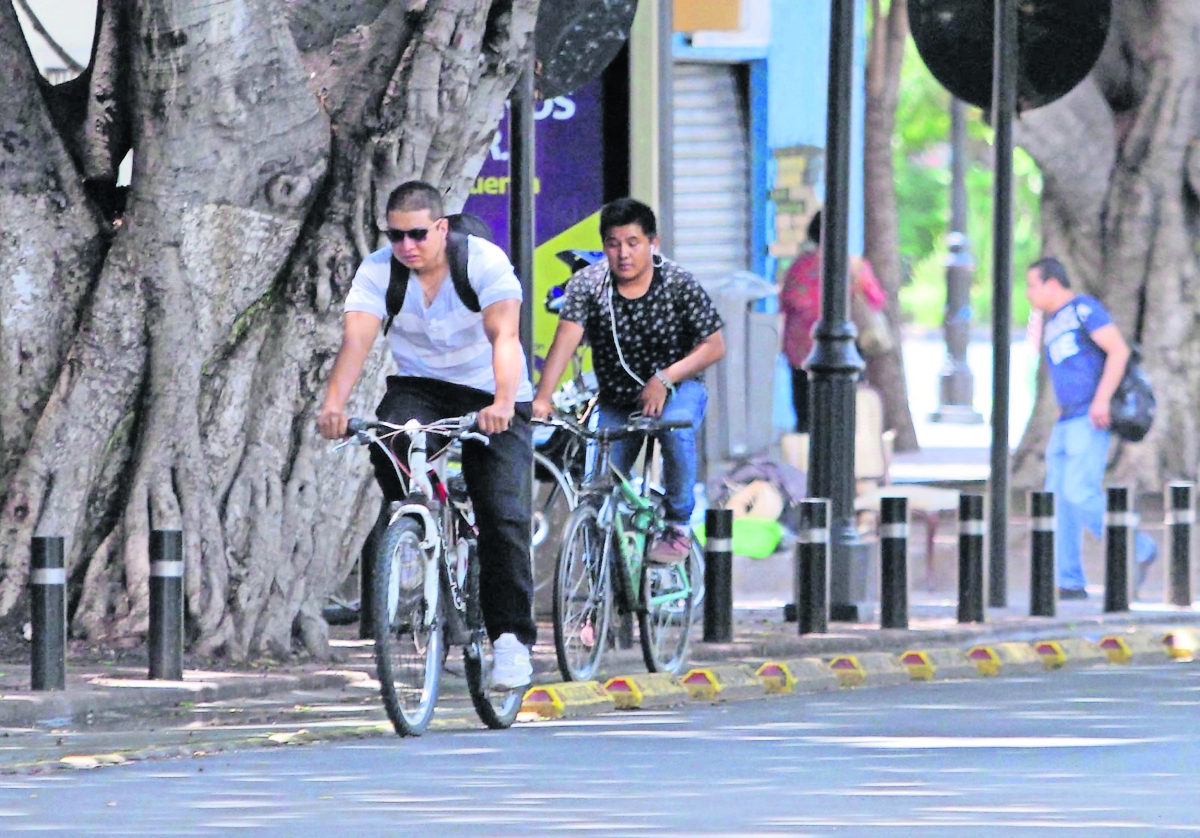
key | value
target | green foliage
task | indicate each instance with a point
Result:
(922, 160)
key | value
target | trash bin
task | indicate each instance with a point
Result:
(741, 387)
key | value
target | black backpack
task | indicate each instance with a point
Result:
(456, 255)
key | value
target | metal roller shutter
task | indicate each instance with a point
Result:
(712, 171)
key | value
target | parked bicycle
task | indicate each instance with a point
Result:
(425, 585)
(602, 564)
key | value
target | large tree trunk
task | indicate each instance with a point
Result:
(1121, 208)
(166, 373)
(885, 57)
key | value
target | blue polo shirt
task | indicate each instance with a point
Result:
(1076, 362)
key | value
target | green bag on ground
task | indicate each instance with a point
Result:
(753, 537)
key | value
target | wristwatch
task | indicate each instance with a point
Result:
(662, 376)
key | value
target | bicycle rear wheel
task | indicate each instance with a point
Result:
(582, 596)
(496, 708)
(408, 647)
(665, 625)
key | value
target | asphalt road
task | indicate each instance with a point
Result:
(1105, 751)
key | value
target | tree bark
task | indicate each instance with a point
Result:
(1121, 208)
(180, 368)
(885, 58)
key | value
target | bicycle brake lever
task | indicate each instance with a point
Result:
(475, 436)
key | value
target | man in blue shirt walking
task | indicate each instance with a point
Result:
(1086, 355)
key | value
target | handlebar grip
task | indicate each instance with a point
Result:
(674, 425)
(354, 426)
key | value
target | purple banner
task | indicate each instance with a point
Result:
(569, 158)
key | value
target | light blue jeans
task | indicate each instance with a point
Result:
(678, 447)
(1075, 460)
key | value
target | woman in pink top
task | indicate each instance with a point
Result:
(800, 301)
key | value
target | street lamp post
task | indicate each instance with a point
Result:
(957, 385)
(835, 364)
(1004, 106)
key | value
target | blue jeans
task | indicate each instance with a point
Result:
(678, 447)
(1075, 461)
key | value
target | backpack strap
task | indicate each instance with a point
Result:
(457, 251)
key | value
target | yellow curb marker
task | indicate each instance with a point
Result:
(1181, 645)
(927, 664)
(800, 675)
(1123, 648)
(659, 689)
(920, 666)
(1052, 654)
(848, 670)
(721, 683)
(563, 701)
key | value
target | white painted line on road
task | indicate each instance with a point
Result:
(892, 743)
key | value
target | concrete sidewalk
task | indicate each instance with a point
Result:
(96, 692)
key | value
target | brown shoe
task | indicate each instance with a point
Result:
(672, 546)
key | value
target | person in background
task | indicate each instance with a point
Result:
(800, 302)
(1086, 355)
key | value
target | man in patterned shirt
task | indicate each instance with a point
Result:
(652, 330)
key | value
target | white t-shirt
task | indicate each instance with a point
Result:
(445, 340)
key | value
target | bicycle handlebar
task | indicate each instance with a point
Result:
(634, 427)
(461, 427)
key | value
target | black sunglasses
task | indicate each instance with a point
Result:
(417, 234)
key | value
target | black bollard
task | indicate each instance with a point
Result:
(1180, 517)
(812, 568)
(1119, 523)
(1042, 586)
(970, 558)
(718, 576)
(893, 563)
(48, 613)
(166, 605)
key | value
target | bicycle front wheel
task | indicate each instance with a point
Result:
(582, 600)
(408, 644)
(665, 623)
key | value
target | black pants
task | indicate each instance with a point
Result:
(800, 399)
(499, 481)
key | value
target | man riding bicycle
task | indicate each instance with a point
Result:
(652, 330)
(457, 350)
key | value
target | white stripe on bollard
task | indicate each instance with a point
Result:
(1181, 516)
(48, 576)
(714, 545)
(1120, 519)
(893, 531)
(1044, 524)
(971, 528)
(169, 569)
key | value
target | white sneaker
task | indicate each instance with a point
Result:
(511, 668)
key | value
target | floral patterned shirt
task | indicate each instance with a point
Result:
(654, 331)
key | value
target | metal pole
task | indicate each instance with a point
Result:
(522, 231)
(835, 364)
(166, 605)
(1042, 587)
(48, 614)
(666, 126)
(718, 576)
(1118, 533)
(957, 385)
(812, 566)
(1180, 517)
(970, 558)
(893, 563)
(1004, 106)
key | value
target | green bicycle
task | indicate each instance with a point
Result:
(602, 563)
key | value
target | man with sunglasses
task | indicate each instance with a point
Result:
(452, 360)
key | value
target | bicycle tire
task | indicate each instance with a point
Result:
(665, 629)
(408, 656)
(497, 709)
(553, 501)
(582, 596)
